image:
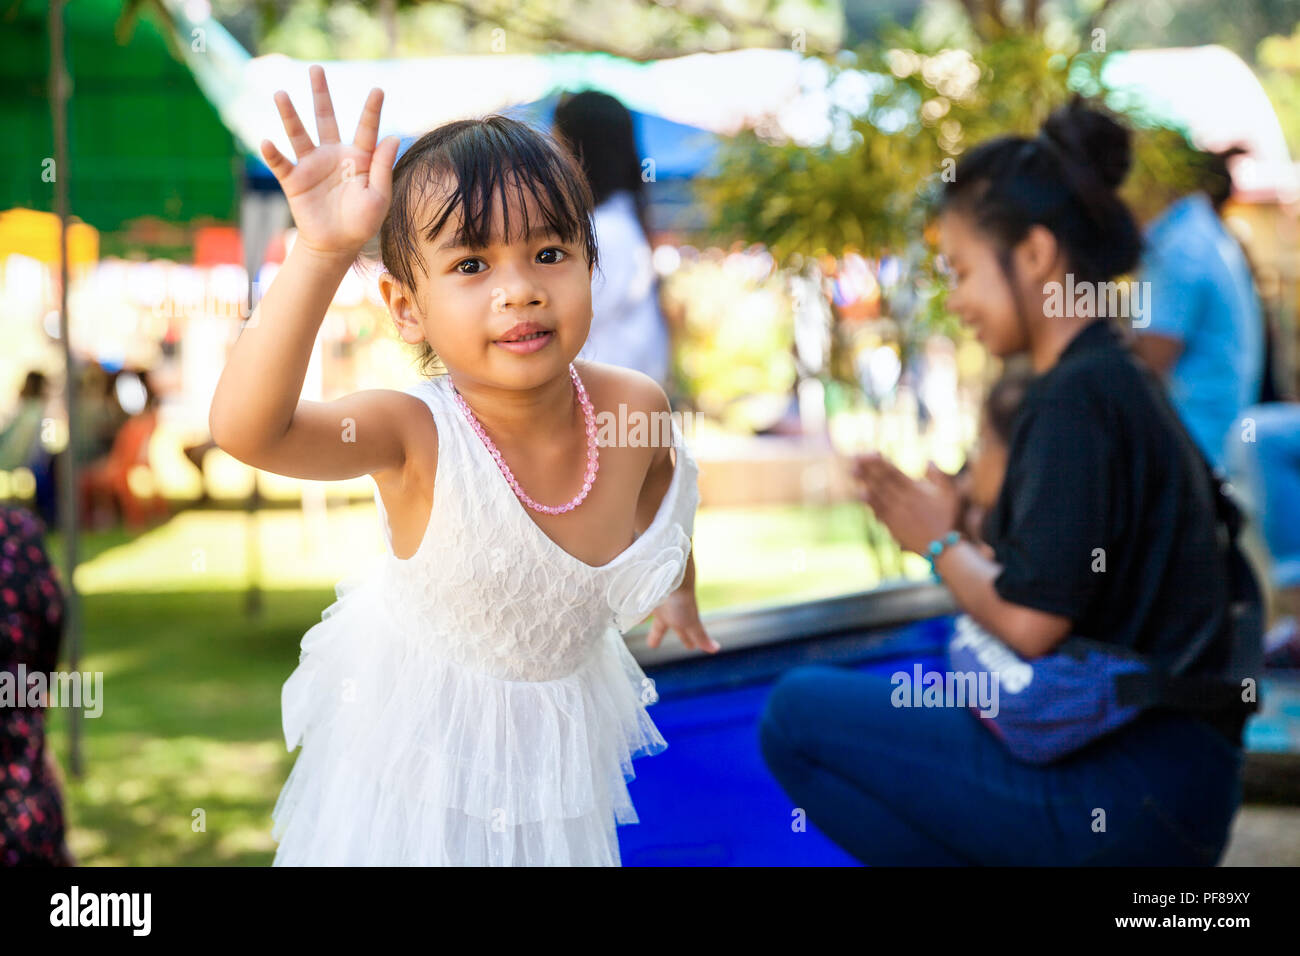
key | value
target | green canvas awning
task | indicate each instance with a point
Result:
(143, 139)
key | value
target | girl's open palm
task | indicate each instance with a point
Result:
(339, 192)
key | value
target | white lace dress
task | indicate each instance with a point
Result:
(475, 704)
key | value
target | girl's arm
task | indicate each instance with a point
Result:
(339, 195)
(256, 413)
(679, 611)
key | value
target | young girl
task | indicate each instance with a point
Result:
(471, 700)
(1097, 460)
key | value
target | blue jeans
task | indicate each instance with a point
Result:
(1270, 469)
(929, 786)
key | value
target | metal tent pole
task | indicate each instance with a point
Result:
(68, 474)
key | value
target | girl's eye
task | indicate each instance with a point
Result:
(559, 252)
(466, 262)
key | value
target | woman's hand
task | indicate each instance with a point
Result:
(915, 512)
(338, 193)
(680, 612)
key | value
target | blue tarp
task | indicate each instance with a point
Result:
(709, 800)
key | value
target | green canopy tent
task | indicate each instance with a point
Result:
(143, 139)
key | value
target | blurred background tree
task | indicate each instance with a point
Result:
(1263, 32)
(902, 110)
(368, 29)
(1278, 60)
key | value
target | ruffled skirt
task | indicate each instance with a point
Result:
(409, 759)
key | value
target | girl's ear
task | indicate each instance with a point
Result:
(401, 306)
(1037, 256)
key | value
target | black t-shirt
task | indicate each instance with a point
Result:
(1106, 515)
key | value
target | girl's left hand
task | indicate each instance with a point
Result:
(680, 612)
(915, 512)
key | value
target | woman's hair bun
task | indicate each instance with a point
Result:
(1087, 135)
(1066, 179)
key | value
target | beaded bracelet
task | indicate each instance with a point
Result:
(936, 548)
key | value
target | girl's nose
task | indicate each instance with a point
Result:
(518, 288)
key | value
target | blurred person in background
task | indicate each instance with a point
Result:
(31, 629)
(100, 414)
(1205, 335)
(105, 482)
(1210, 340)
(1269, 462)
(627, 326)
(22, 434)
(1266, 460)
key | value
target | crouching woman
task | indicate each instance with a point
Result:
(1104, 528)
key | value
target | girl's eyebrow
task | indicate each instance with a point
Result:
(534, 233)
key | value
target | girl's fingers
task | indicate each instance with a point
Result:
(279, 165)
(706, 643)
(687, 636)
(381, 166)
(368, 125)
(657, 628)
(327, 128)
(298, 138)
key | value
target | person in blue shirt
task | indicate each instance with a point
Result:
(1203, 332)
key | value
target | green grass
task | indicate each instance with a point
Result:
(190, 731)
(190, 722)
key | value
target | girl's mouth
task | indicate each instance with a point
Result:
(528, 343)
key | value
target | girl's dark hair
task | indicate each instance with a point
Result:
(468, 164)
(1065, 180)
(598, 129)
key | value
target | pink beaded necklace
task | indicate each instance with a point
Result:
(593, 456)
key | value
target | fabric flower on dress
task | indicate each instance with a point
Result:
(640, 586)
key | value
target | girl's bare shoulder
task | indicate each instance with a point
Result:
(610, 386)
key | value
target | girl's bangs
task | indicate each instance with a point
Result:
(479, 188)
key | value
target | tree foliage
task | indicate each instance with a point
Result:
(903, 111)
(891, 147)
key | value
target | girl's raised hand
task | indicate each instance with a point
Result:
(339, 192)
